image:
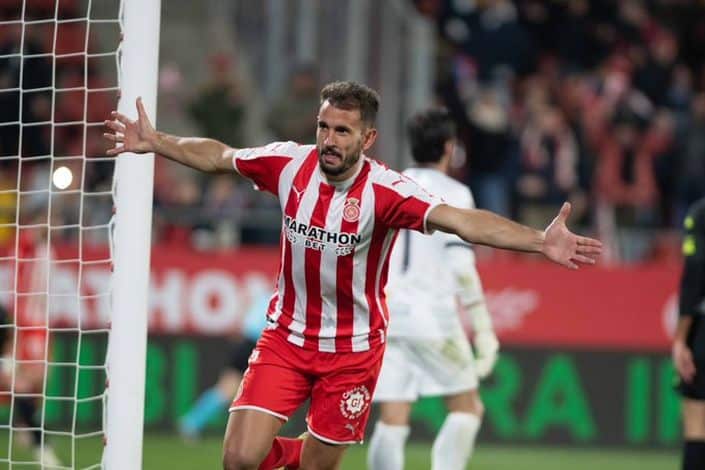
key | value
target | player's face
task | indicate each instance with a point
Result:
(341, 138)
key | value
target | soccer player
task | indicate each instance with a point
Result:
(217, 397)
(328, 318)
(427, 350)
(24, 339)
(24, 385)
(689, 341)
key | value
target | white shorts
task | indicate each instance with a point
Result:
(415, 367)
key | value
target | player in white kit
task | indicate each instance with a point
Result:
(428, 353)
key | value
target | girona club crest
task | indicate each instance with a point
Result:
(354, 402)
(351, 210)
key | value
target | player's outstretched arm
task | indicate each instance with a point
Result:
(556, 243)
(141, 137)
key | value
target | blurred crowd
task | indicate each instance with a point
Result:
(598, 102)
(221, 211)
(601, 103)
(51, 87)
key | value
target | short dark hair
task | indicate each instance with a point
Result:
(350, 96)
(428, 133)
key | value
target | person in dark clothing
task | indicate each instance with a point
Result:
(689, 342)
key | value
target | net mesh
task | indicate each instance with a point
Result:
(59, 69)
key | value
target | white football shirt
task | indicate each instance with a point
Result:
(424, 286)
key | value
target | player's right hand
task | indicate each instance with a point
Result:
(683, 360)
(566, 248)
(128, 135)
(486, 351)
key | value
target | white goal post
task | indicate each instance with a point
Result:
(133, 219)
(64, 402)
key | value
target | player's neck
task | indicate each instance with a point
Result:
(349, 174)
(442, 165)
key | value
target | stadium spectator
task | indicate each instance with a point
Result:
(36, 74)
(691, 171)
(286, 118)
(219, 107)
(427, 351)
(550, 163)
(625, 176)
(223, 202)
(655, 76)
(490, 146)
(689, 340)
(327, 322)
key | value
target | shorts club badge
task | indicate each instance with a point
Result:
(354, 402)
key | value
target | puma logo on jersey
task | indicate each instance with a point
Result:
(297, 193)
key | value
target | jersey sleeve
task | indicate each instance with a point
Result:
(692, 289)
(264, 165)
(401, 203)
(461, 258)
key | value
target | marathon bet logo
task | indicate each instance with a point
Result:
(320, 239)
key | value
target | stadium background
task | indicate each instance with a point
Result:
(598, 102)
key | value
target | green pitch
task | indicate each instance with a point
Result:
(168, 451)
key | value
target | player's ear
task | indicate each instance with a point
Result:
(449, 147)
(369, 136)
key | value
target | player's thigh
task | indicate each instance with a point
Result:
(276, 381)
(341, 396)
(318, 455)
(395, 413)
(398, 381)
(693, 419)
(248, 436)
(468, 401)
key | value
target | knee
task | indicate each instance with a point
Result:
(693, 420)
(240, 458)
(693, 430)
(478, 408)
(472, 405)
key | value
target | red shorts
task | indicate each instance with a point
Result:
(281, 376)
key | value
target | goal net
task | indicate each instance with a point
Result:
(61, 71)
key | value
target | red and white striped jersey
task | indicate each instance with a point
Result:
(34, 258)
(335, 245)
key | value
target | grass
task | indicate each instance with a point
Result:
(163, 451)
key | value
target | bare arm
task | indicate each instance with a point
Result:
(557, 243)
(682, 328)
(485, 228)
(140, 137)
(680, 352)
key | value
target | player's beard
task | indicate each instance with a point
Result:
(347, 161)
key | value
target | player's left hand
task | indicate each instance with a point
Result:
(566, 248)
(683, 360)
(486, 349)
